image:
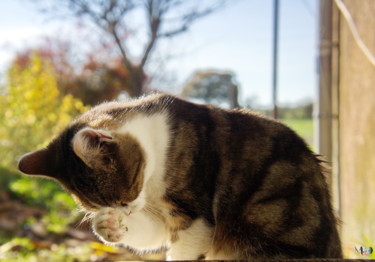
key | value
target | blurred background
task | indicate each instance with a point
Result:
(307, 63)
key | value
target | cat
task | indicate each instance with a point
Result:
(197, 180)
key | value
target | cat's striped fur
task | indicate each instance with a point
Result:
(199, 180)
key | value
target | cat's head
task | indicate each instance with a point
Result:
(99, 168)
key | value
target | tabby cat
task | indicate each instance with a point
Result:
(200, 181)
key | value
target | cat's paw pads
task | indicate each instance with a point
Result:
(109, 224)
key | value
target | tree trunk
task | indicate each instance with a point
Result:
(137, 81)
(234, 96)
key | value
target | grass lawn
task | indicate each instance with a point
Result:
(303, 127)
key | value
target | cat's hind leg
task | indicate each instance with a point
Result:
(192, 243)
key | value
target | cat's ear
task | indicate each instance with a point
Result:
(89, 145)
(38, 162)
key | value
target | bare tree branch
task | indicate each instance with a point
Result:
(154, 19)
(109, 16)
(186, 20)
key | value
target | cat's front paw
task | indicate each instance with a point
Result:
(109, 224)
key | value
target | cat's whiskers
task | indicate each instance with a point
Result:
(87, 217)
(153, 211)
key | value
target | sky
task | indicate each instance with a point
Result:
(237, 38)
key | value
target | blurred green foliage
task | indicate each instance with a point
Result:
(48, 194)
(33, 112)
(23, 249)
(303, 127)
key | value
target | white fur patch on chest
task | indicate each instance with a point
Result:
(153, 134)
(142, 228)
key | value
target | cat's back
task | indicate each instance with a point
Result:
(265, 187)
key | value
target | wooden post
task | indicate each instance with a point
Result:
(324, 115)
(335, 107)
(328, 127)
